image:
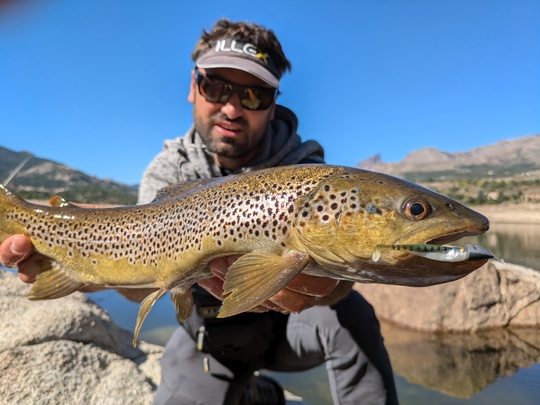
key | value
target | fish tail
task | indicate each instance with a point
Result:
(9, 203)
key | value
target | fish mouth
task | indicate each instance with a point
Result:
(442, 240)
(481, 226)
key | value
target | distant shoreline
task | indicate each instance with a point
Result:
(511, 213)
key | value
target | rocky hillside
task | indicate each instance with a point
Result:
(505, 171)
(40, 179)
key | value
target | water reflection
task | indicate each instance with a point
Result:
(460, 365)
(515, 243)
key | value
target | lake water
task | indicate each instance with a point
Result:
(499, 367)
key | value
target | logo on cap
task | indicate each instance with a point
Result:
(263, 57)
(238, 47)
(235, 54)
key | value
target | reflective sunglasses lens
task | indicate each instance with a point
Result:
(254, 98)
(251, 98)
(213, 90)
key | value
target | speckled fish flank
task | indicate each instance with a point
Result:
(317, 219)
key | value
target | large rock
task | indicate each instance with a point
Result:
(491, 297)
(69, 351)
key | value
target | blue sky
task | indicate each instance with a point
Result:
(99, 85)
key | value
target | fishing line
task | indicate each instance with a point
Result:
(507, 267)
(17, 170)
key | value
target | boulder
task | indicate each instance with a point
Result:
(489, 298)
(69, 351)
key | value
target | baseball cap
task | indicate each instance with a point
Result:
(235, 54)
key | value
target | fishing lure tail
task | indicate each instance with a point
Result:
(439, 253)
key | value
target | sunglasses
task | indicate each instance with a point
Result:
(218, 91)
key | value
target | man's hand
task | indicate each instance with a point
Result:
(17, 251)
(301, 293)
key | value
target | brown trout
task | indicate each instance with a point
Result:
(318, 219)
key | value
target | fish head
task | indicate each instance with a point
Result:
(341, 221)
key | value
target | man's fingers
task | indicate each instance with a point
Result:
(14, 250)
(29, 268)
(301, 293)
(311, 285)
(292, 301)
(220, 266)
(214, 286)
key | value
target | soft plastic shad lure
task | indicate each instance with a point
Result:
(446, 254)
(438, 252)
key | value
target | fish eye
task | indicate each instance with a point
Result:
(416, 210)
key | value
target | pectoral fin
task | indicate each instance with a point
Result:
(257, 276)
(144, 309)
(53, 281)
(183, 302)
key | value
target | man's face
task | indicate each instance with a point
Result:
(230, 131)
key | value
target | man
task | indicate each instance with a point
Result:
(239, 127)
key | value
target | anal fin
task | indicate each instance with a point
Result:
(257, 276)
(144, 309)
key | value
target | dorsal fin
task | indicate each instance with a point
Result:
(57, 201)
(170, 192)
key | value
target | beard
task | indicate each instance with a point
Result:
(225, 146)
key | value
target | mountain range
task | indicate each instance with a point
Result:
(508, 170)
(40, 179)
(511, 157)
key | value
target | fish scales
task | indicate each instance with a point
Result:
(320, 219)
